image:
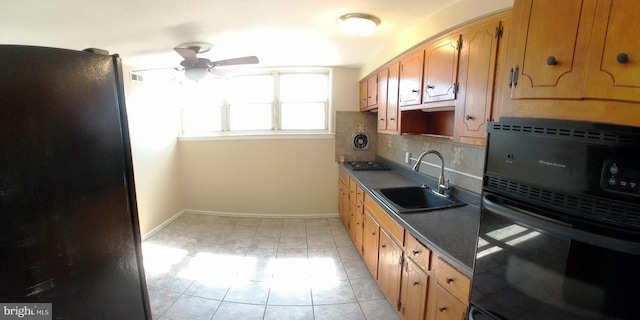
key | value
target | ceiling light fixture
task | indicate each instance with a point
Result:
(358, 24)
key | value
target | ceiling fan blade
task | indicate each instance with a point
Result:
(235, 61)
(219, 72)
(159, 69)
(188, 54)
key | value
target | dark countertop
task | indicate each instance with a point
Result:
(451, 233)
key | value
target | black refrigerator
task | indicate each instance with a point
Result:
(69, 233)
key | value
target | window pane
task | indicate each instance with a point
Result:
(250, 117)
(304, 87)
(201, 119)
(307, 116)
(250, 89)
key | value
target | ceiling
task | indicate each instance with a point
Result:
(144, 32)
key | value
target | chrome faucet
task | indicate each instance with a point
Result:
(442, 184)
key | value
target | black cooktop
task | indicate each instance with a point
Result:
(366, 165)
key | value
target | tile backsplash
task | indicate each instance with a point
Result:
(463, 163)
(348, 124)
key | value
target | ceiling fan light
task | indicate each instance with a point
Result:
(358, 24)
(196, 74)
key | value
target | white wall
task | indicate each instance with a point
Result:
(153, 124)
(291, 176)
(446, 19)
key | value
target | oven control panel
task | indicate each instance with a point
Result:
(619, 177)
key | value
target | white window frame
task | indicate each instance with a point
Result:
(276, 131)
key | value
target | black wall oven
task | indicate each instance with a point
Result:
(559, 234)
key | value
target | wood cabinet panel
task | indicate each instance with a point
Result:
(363, 95)
(614, 66)
(453, 280)
(343, 202)
(372, 91)
(370, 243)
(417, 252)
(551, 41)
(413, 294)
(411, 72)
(441, 70)
(389, 268)
(477, 78)
(445, 306)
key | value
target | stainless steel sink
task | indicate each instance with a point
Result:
(415, 199)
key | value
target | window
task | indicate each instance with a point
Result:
(258, 103)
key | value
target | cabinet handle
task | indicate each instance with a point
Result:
(381, 119)
(373, 233)
(416, 283)
(551, 61)
(415, 91)
(511, 78)
(442, 309)
(622, 57)
(448, 280)
(392, 119)
(416, 252)
(468, 117)
(383, 245)
(430, 86)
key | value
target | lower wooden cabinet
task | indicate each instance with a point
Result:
(416, 282)
(389, 268)
(445, 306)
(370, 243)
(413, 294)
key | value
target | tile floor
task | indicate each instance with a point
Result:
(218, 267)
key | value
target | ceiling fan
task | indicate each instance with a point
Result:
(196, 69)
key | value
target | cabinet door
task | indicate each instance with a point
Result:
(359, 227)
(446, 306)
(389, 268)
(351, 227)
(411, 79)
(440, 70)
(614, 64)
(413, 295)
(382, 99)
(476, 77)
(363, 95)
(372, 91)
(551, 41)
(343, 203)
(393, 82)
(370, 242)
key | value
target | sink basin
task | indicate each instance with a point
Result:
(415, 199)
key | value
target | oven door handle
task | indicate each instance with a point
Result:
(529, 219)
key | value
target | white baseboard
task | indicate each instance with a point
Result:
(262, 215)
(162, 225)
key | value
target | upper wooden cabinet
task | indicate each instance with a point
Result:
(363, 95)
(551, 41)
(411, 72)
(575, 60)
(577, 49)
(388, 116)
(369, 93)
(482, 45)
(441, 70)
(613, 70)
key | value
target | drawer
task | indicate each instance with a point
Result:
(359, 194)
(417, 252)
(395, 231)
(353, 185)
(453, 280)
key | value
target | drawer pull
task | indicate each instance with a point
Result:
(448, 280)
(551, 61)
(442, 309)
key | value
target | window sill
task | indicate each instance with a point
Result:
(257, 136)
